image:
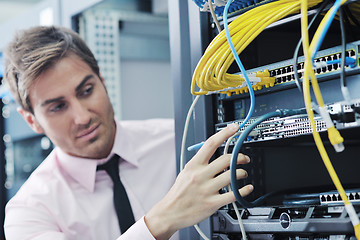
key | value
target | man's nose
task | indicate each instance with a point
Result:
(81, 113)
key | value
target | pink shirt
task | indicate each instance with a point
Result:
(66, 198)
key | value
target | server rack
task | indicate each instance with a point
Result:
(271, 169)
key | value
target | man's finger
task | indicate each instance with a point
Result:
(229, 197)
(223, 162)
(224, 179)
(213, 142)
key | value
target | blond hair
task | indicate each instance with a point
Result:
(37, 49)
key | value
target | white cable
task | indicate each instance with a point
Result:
(182, 154)
(346, 94)
(214, 15)
(242, 228)
(186, 127)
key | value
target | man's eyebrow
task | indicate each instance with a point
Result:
(86, 78)
(82, 83)
(51, 101)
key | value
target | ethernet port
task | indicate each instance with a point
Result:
(351, 53)
(357, 196)
(351, 196)
(272, 73)
(334, 198)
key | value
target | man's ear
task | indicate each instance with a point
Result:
(31, 120)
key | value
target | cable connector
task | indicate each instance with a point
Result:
(336, 139)
(334, 136)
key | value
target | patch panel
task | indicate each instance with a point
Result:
(335, 198)
(323, 65)
(237, 6)
(327, 66)
(343, 115)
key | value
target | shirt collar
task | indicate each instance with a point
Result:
(83, 170)
(125, 145)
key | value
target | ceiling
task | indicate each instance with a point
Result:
(11, 8)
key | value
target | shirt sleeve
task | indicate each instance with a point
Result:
(19, 227)
(28, 223)
(138, 231)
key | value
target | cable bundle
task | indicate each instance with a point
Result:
(211, 74)
(334, 136)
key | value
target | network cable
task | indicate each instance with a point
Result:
(344, 90)
(343, 61)
(240, 65)
(213, 15)
(236, 209)
(297, 49)
(236, 150)
(323, 28)
(210, 73)
(182, 153)
(243, 71)
(333, 134)
(211, 76)
(307, 99)
(252, 98)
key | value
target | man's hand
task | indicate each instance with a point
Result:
(195, 194)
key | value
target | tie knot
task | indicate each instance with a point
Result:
(111, 167)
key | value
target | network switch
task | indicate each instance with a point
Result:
(327, 65)
(343, 114)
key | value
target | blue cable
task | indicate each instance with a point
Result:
(348, 62)
(243, 71)
(333, 10)
(241, 66)
(233, 164)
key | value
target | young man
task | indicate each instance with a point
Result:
(56, 81)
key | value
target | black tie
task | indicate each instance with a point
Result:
(121, 200)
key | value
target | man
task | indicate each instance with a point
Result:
(56, 81)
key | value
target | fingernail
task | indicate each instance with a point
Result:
(251, 187)
(247, 158)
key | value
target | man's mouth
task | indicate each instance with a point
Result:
(88, 133)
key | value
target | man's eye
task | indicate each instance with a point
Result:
(57, 107)
(87, 90)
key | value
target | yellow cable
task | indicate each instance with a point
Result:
(307, 99)
(333, 134)
(211, 72)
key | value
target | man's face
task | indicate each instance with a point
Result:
(72, 108)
